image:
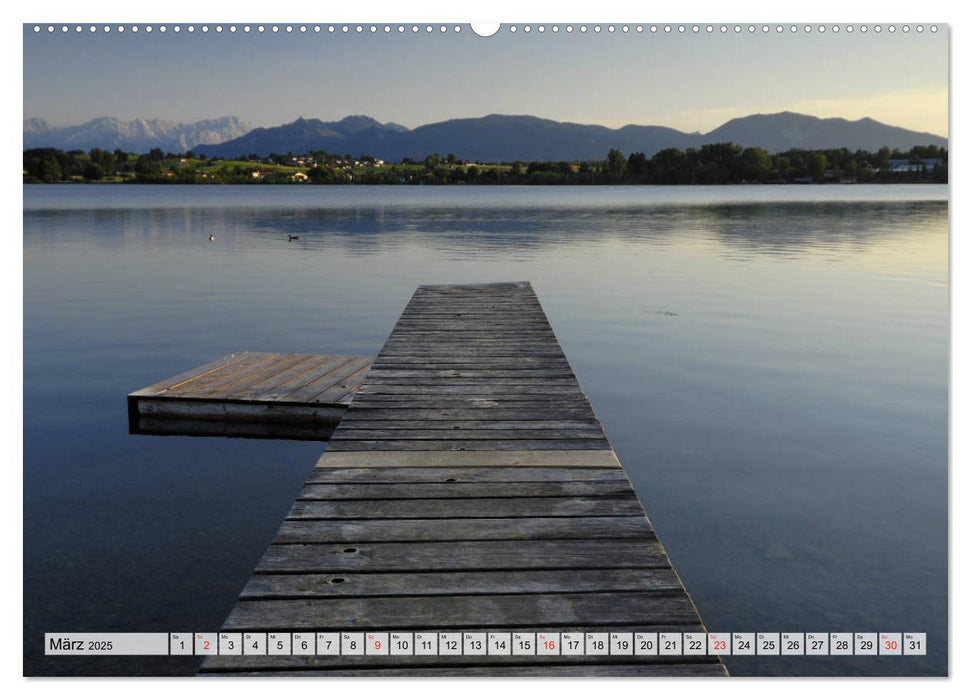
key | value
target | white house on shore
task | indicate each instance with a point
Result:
(903, 165)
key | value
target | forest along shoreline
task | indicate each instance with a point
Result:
(714, 164)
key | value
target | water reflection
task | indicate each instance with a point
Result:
(746, 229)
(772, 373)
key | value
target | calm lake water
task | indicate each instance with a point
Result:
(770, 364)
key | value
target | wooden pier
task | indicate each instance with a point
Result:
(469, 487)
(252, 394)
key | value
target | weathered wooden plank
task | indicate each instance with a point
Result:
(435, 458)
(441, 363)
(448, 341)
(458, 328)
(345, 442)
(461, 304)
(459, 355)
(480, 295)
(421, 303)
(573, 506)
(456, 310)
(490, 320)
(476, 292)
(458, 305)
(506, 318)
(247, 362)
(528, 397)
(409, 406)
(452, 434)
(521, 489)
(467, 529)
(492, 374)
(462, 556)
(555, 406)
(465, 410)
(485, 320)
(456, 341)
(195, 373)
(224, 383)
(398, 353)
(508, 315)
(470, 325)
(298, 366)
(458, 333)
(435, 351)
(481, 305)
(474, 289)
(446, 344)
(548, 408)
(430, 295)
(258, 382)
(398, 359)
(308, 387)
(242, 362)
(404, 612)
(406, 423)
(470, 290)
(457, 324)
(565, 390)
(355, 585)
(326, 373)
(566, 402)
(428, 298)
(505, 475)
(509, 385)
(342, 391)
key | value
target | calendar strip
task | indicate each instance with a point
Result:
(511, 643)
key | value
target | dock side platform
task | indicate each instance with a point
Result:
(468, 488)
(293, 396)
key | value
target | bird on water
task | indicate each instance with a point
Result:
(291, 237)
(211, 237)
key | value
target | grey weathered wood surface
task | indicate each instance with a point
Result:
(468, 487)
(252, 394)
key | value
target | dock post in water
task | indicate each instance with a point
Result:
(468, 488)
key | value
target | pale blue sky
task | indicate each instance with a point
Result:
(687, 81)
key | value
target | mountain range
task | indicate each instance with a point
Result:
(135, 136)
(495, 137)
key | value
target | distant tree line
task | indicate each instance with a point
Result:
(724, 163)
(53, 165)
(712, 164)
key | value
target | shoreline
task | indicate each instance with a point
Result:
(480, 184)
